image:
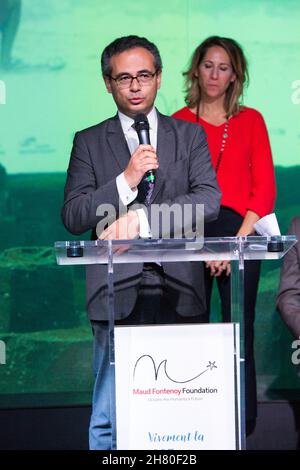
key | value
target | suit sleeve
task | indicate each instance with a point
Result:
(83, 197)
(288, 299)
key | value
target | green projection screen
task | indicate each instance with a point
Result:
(54, 88)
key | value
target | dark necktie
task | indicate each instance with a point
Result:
(145, 189)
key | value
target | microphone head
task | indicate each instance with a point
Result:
(141, 122)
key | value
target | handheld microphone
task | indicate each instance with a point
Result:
(141, 126)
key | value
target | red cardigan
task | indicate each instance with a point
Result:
(246, 172)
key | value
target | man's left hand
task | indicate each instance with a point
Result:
(127, 227)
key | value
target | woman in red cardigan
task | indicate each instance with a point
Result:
(241, 154)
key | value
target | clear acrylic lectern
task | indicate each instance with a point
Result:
(235, 249)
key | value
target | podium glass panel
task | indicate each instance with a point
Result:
(235, 249)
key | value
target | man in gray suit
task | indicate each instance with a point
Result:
(108, 166)
(288, 299)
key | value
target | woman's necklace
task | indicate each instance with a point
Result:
(224, 139)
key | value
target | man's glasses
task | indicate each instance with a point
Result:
(125, 80)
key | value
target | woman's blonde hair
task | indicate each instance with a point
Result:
(239, 66)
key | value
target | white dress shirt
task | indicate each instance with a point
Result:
(127, 195)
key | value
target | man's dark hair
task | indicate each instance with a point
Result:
(123, 44)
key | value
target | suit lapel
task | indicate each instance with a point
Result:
(117, 142)
(165, 152)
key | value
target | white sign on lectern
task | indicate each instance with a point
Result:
(177, 387)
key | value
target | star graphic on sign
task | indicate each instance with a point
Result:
(211, 365)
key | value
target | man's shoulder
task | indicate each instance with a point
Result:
(295, 226)
(97, 129)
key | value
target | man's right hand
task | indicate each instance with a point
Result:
(141, 161)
